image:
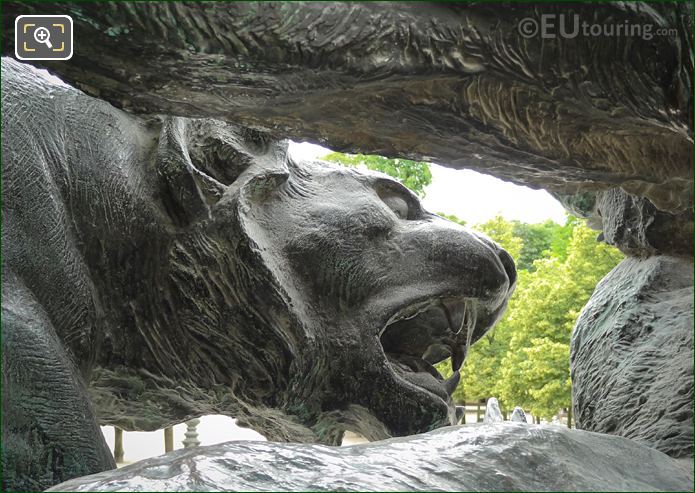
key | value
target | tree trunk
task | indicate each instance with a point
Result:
(118, 445)
(168, 439)
(463, 398)
(569, 417)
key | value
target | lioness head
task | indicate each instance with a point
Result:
(190, 267)
(331, 291)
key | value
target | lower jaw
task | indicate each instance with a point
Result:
(426, 382)
(410, 409)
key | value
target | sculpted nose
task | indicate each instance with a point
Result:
(509, 267)
(505, 259)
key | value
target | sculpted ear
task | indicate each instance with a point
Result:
(197, 160)
(237, 156)
(224, 151)
(186, 192)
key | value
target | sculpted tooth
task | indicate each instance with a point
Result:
(451, 383)
(457, 357)
(470, 320)
(455, 316)
(465, 337)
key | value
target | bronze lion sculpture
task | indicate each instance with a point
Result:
(157, 269)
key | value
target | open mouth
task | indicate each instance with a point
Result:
(421, 335)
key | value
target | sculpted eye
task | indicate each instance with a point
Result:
(398, 205)
(399, 199)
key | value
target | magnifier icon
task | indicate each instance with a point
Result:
(43, 35)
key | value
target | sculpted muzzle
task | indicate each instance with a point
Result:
(444, 324)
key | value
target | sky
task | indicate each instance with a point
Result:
(471, 196)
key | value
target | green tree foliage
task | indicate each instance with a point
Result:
(502, 232)
(547, 239)
(537, 240)
(534, 373)
(525, 359)
(415, 175)
(452, 218)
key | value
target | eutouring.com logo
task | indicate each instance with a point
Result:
(551, 26)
